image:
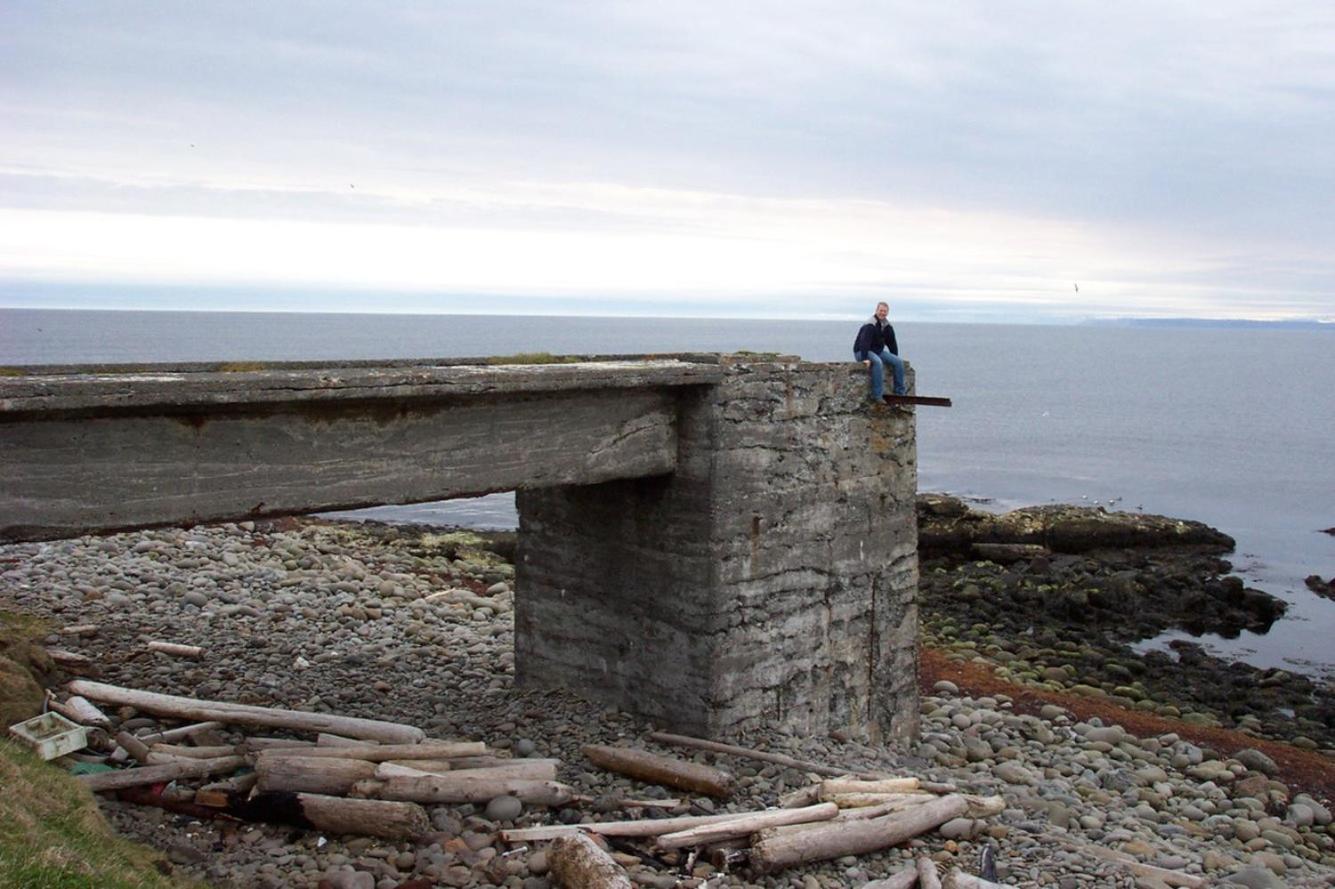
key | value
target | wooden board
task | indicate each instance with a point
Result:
(929, 400)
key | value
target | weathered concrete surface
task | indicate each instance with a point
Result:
(770, 579)
(100, 452)
(150, 387)
(719, 543)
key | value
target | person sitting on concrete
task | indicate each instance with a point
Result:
(876, 347)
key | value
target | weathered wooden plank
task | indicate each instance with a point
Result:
(929, 400)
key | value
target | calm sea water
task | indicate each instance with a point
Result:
(1231, 427)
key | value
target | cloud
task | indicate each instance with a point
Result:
(718, 147)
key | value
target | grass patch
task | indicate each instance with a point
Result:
(240, 367)
(51, 834)
(18, 629)
(533, 358)
(53, 837)
(13, 372)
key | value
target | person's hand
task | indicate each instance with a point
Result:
(866, 362)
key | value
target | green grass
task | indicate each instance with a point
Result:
(533, 358)
(53, 837)
(18, 629)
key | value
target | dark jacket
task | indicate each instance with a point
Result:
(873, 337)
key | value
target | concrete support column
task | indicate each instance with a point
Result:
(770, 580)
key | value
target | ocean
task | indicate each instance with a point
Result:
(1232, 427)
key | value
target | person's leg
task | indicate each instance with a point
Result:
(897, 367)
(877, 377)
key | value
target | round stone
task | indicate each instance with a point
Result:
(504, 808)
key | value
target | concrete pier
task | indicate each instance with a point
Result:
(718, 542)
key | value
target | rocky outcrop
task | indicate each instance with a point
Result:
(946, 524)
(1059, 594)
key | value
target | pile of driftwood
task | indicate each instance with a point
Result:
(371, 777)
(360, 776)
(844, 814)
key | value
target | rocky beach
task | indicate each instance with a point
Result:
(1108, 761)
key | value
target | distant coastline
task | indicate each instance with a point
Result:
(1230, 323)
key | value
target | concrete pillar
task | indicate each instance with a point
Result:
(770, 580)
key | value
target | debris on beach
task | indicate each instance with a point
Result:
(411, 635)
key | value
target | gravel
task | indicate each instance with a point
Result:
(415, 626)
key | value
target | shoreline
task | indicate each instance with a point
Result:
(334, 617)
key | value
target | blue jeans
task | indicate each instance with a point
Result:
(878, 363)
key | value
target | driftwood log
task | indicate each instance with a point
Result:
(333, 814)
(71, 661)
(578, 863)
(245, 714)
(386, 752)
(80, 710)
(460, 763)
(864, 800)
(908, 801)
(175, 649)
(838, 786)
(180, 733)
(194, 768)
(467, 787)
(747, 753)
(984, 806)
(641, 827)
(137, 749)
(927, 875)
(772, 851)
(904, 879)
(309, 774)
(156, 758)
(532, 769)
(655, 769)
(256, 744)
(220, 794)
(328, 739)
(958, 879)
(744, 826)
(195, 752)
(802, 796)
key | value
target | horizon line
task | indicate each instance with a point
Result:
(1043, 320)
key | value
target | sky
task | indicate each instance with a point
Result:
(987, 160)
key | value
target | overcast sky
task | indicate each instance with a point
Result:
(964, 160)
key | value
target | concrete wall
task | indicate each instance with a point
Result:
(771, 579)
(96, 452)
